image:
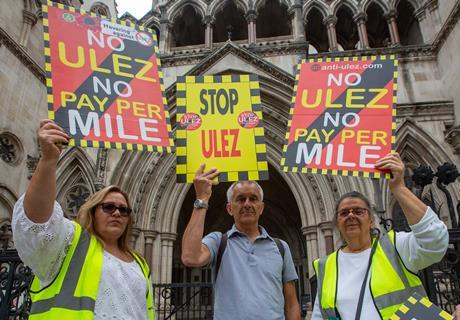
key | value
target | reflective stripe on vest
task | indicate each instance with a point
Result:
(389, 295)
(66, 299)
(72, 294)
(326, 301)
(388, 292)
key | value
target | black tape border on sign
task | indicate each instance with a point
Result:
(375, 175)
(258, 139)
(49, 89)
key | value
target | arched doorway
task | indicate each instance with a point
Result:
(281, 219)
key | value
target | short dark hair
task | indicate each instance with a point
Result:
(375, 230)
(352, 194)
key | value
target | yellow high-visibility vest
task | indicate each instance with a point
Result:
(391, 283)
(72, 294)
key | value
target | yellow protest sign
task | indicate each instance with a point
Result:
(219, 122)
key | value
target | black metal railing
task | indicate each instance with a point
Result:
(442, 280)
(183, 301)
(15, 279)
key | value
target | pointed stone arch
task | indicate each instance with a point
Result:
(376, 24)
(75, 171)
(417, 146)
(408, 24)
(72, 162)
(187, 24)
(382, 4)
(269, 11)
(315, 30)
(415, 3)
(315, 4)
(217, 6)
(351, 5)
(346, 28)
(409, 134)
(176, 9)
(7, 200)
(258, 4)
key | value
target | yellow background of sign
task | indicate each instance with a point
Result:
(246, 144)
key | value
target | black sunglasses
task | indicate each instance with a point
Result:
(110, 208)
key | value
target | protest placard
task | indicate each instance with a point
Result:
(420, 308)
(341, 117)
(220, 124)
(104, 81)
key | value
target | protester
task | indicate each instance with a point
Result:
(373, 273)
(84, 269)
(255, 277)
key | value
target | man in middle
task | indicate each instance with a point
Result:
(254, 275)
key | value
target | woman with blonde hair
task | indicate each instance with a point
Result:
(84, 269)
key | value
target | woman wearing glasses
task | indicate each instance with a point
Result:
(84, 269)
(373, 273)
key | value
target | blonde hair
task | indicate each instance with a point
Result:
(86, 218)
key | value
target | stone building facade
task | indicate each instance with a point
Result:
(265, 37)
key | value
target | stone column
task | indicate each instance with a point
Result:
(167, 244)
(165, 36)
(297, 23)
(432, 7)
(393, 27)
(251, 17)
(330, 22)
(30, 19)
(423, 23)
(208, 21)
(311, 236)
(326, 228)
(134, 236)
(360, 20)
(149, 236)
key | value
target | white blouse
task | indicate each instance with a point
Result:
(43, 247)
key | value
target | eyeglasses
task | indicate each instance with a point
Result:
(110, 208)
(357, 211)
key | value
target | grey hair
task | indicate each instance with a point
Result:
(375, 230)
(234, 184)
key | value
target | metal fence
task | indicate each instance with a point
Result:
(15, 280)
(185, 301)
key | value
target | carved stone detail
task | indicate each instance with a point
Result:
(31, 163)
(453, 138)
(22, 55)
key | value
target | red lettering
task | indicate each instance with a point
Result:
(235, 151)
(215, 143)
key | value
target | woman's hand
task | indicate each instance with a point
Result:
(51, 138)
(393, 162)
(41, 193)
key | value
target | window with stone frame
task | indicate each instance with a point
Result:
(100, 9)
(75, 198)
(11, 150)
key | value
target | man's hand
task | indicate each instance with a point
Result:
(51, 137)
(393, 162)
(204, 181)
(457, 313)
